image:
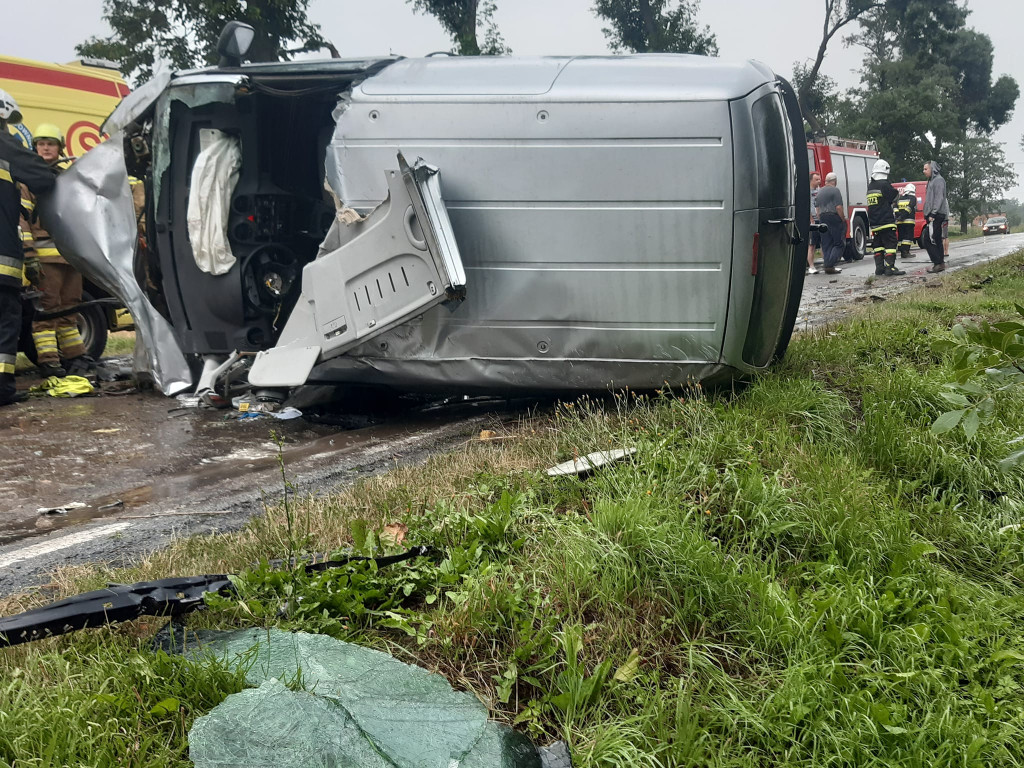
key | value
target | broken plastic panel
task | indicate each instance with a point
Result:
(400, 261)
(323, 702)
(174, 596)
(586, 464)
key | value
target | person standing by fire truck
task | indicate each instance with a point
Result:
(881, 198)
(936, 215)
(829, 203)
(60, 283)
(815, 238)
(17, 165)
(906, 212)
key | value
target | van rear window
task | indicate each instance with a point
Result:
(774, 169)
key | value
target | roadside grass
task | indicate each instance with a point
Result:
(793, 572)
(970, 234)
(119, 343)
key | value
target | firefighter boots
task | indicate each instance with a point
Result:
(890, 266)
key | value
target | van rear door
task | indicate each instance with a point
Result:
(780, 227)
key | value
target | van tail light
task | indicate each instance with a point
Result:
(754, 254)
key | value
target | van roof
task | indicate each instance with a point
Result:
(636, 77)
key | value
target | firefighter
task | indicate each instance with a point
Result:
(17, 165)
(881, 198)
(61, 284)
(906, 213)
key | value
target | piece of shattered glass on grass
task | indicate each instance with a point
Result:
(351, 706)
(501, 747)
(274, 727)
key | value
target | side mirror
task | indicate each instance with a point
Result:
(234, 42)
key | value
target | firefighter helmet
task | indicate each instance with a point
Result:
(910, 189)
(880, 170)
(48, 131)
(9, 108)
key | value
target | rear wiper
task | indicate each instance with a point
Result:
(164, 597)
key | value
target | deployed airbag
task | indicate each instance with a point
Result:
(214, 176)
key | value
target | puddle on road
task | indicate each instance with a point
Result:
(204, 460)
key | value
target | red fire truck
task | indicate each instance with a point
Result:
(851, 160)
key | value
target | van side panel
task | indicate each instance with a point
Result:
(593, 230)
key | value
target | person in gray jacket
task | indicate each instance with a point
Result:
(832, 213)
(936, 215)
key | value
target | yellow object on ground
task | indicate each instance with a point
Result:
(66, 386)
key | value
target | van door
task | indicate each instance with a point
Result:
(777, 278)
(400, 261)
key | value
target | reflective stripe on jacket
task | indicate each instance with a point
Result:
(18, 165)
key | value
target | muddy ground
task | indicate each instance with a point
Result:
(147, 470)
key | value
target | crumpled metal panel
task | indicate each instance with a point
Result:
(137, 103)
(91, 216)
(504, 376)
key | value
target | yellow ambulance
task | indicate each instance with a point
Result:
(76, 97)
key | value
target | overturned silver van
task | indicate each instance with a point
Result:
(453, 224)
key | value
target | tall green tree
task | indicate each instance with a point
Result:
(927, 82)
(977, 176)
(1014, 210)
(823, 102)
(464, 20)
(655, 26)
(185, 32)
(838, 15)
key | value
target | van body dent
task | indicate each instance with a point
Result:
(513, 224)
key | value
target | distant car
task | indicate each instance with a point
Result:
(997, 225)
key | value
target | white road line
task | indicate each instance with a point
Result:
(62, 542)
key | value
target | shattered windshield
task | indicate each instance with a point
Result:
(318, 701)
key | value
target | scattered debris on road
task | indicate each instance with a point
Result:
(62, 509)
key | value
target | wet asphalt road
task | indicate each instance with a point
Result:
(147, 470)
(829, 297)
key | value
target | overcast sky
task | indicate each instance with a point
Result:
(777, 33)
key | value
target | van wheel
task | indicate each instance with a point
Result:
(92, 325)
(858, 243)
